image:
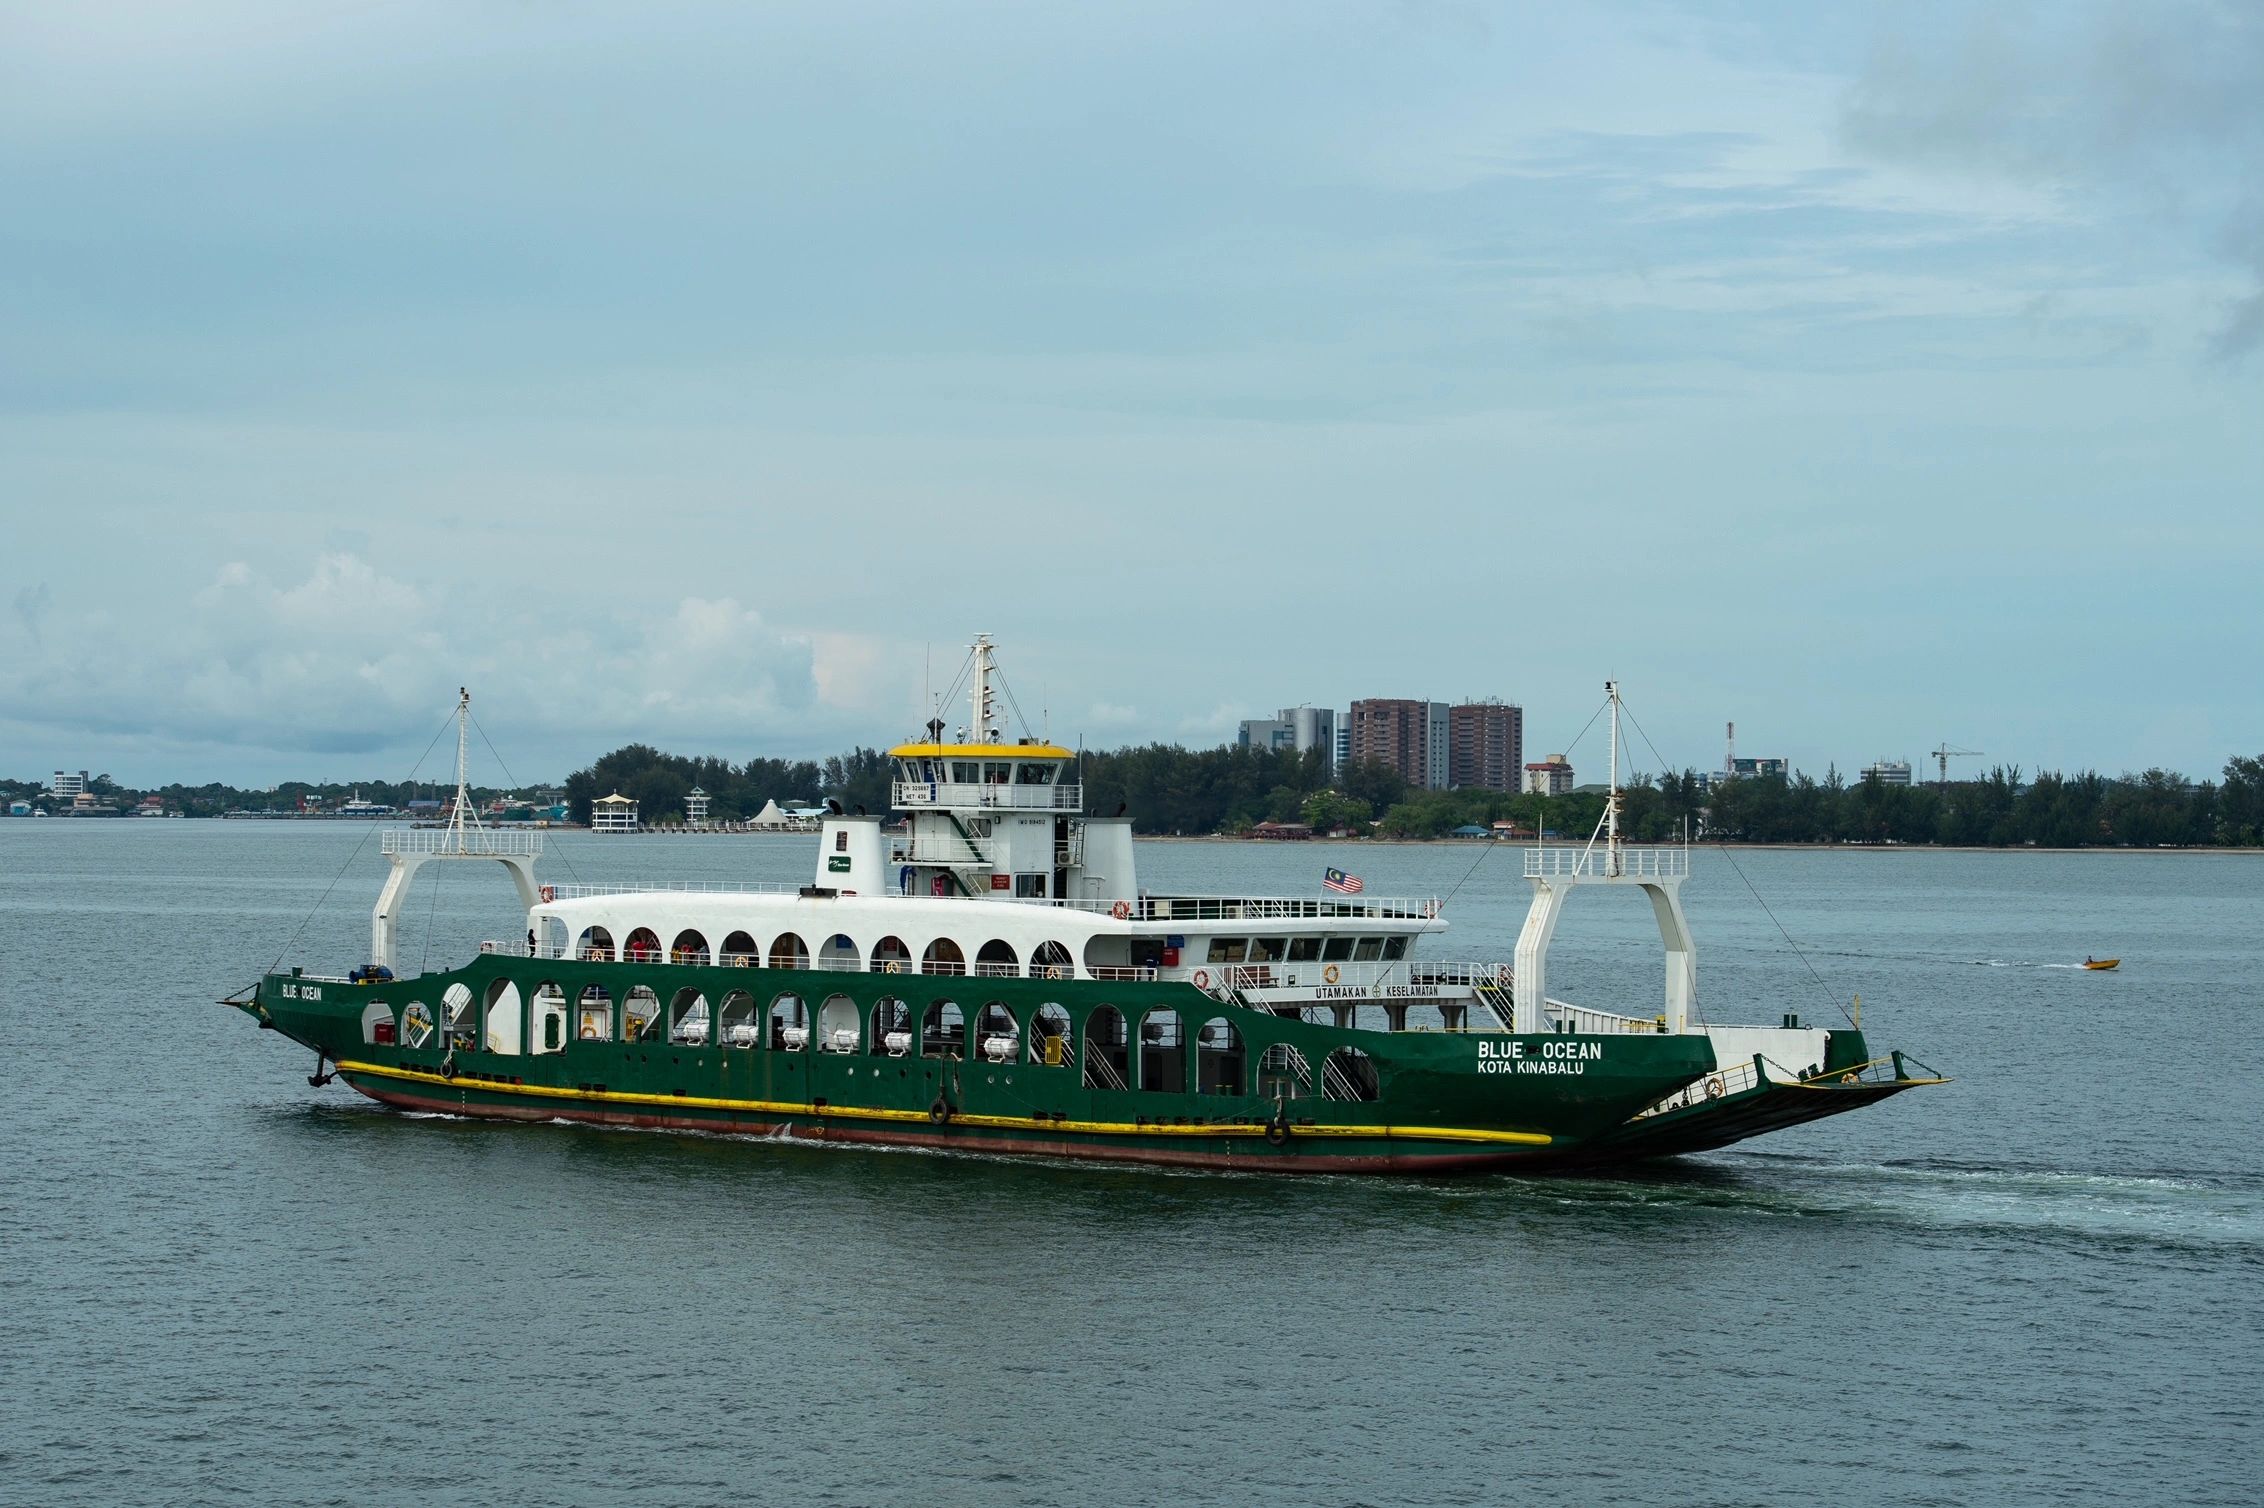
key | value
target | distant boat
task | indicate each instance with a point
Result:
(2101, 963)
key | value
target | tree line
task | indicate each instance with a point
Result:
(1167, 789)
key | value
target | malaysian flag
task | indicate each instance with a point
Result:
(1342, 883)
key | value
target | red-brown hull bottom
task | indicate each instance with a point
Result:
(1288, 1161)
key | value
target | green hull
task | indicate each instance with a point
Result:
(1440, 1100)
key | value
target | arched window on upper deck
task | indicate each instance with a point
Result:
(890, 951)
(996, 960)
(595, 945)
(943, 957)
(840, 952)
(1051, 961)
(690, 947)
(740, 950)
(641, 946)
(787, 951)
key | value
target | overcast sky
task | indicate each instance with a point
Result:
(676, 372)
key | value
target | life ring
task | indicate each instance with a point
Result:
(892, 967)
(1331, 974)
(1715, 1088)
(1053, 971)
(1849, 1078)
(940, 1111)
(1202, 979)
(1122, 910)
(549, 894)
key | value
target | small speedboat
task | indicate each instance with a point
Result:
(2101, 963)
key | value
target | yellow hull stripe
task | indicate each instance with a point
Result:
(994, 1122)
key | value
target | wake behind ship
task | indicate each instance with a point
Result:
(995, 979)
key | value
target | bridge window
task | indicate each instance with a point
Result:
(892, 1027)
(640, 1015)
(550, 1017)
(1051, 961)
(642, 946)
(840, 952)
(506, 1015)
(1283, 1073)
(1337, 950)
(837, 1025)
(1369, 950)
(890, 956)
(1395, 948)
(1163, 1052)
(593, 1017)
(378, 1025)
(943, 1031)
(1304, 950)
(943, 957)
(789, 1024)
(1349, 1074)
(1227, 950)
(996, 960)
(688, 1019)
(1268, 949)
(788, 952)
(735, 1022)
(689, 947)
(595, 945)
(1107, 1050)
(462, 1020)
(997, 1034)
(741, 951)
(416, 1024)
(1218, 1058)
(1050, 1041)
(1034, 772)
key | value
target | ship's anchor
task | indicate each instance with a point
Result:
(318, 1078)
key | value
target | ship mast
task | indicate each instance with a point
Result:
(985, 730)
(1611, 798)
(461, 822)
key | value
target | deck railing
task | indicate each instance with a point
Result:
(474, 842)
(1595, 862)
(1155, 910)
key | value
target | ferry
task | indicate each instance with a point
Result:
(994, 979)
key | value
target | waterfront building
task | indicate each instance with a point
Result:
(19, 808)
(1549, 777)
(613, 814)
(1486, 745)
(696, 807)
(1295, 730)
(1263, 733)
(67, 784)
(1409, 736)
(1343, 740)
(1888, 771)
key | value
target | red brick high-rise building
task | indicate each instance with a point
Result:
(1486, 745)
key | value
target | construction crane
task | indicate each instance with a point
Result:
(1942, 758)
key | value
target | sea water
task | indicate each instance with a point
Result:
(2042, 1283)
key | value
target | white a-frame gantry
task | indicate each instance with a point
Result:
(1557, 872)
(462, 838)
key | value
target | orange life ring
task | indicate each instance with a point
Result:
(1121, 910)
(549, 894)
(1331, 974)
(1202, 979)
(1715, 1088)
